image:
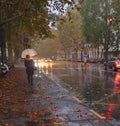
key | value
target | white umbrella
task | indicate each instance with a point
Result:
(30, 52)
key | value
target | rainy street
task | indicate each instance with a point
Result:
(59, 62)
(97, 88)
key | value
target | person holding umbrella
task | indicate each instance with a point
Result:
(29, 64)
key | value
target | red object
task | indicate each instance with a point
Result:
(110, 20)
(116, 62)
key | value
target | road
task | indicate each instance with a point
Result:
(97, 88)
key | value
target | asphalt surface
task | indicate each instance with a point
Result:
(46, 103)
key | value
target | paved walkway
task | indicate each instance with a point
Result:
(46, 103)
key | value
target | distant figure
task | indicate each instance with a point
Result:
(29, 64)
(85, 60)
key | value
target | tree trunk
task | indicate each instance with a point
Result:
(10, 56)
(106, 57)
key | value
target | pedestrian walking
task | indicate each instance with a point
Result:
(85, 61)
(29, 64)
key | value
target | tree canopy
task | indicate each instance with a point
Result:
(96, 26)
(31, 14)
(21, 19)
(70, 32)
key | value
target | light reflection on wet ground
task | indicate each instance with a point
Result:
(99, 88)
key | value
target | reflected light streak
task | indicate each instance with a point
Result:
(109, 112)
(116, 82)
(44, 66)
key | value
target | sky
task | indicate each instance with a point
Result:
(55, 6)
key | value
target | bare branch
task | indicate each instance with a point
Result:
(13, 18)
(9, 3)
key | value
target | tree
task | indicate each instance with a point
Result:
(116, 23)
(29, 15)
(20, 16)
(64, 36)
(48, 47)
(70, 33)
(96, 14)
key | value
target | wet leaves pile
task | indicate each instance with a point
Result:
(16, 105)
(42, 107)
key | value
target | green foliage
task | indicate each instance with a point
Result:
(29, 14)
(24, 18)
(96, 28)
(70, 33)
(46, 48)
(92, 25)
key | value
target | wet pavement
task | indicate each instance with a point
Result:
(98, 88)
(46, 103)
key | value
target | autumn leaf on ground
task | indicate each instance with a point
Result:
(78, 110)
(47, 97)
(4, 110)
(1, 93)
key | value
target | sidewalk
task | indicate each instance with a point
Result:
(46, 104)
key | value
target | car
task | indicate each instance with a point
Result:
(4, 68)
(48, 60)
(113, 64)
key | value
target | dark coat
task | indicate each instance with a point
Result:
(29, 64)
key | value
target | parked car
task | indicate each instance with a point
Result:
(113, 64)
(4, 69)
